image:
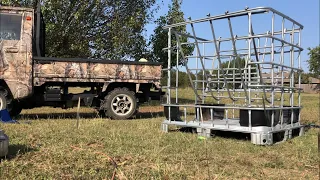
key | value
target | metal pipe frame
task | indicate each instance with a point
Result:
(239, 85)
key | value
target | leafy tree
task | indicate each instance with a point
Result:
(314, 61)
(96, 28)
(183, 79)
(159, 39)
(304, 78)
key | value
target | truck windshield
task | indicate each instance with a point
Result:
(10, 26)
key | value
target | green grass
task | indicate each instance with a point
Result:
(53, 148)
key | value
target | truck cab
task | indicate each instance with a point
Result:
(16, 37)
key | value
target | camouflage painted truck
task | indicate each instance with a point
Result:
(29, 80)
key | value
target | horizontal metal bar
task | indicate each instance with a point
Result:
(208, 57)
(262, 48)
(234, 97)
(222, 16)
(286, 42)
(231, 69)
(258, 36)
(211, 82)
(216, 80)
(227, 56)
(264, 77)
(167, 87)
(273, 86)
(241, 90)
(239, 38)
(276, 64)
(257, 10)
(187, 35)
(261, 53)
(253, 107)
(193, 69)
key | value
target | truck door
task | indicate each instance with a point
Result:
(16, 50)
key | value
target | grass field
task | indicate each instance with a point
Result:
(47, 145)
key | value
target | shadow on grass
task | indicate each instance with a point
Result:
(147, 115)
(57, 116)
(73, 115)
(233, 135)
(154, 113)
(158, 103)
(15, 150)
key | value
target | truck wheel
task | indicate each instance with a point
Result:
(121, 103)
(13, 108)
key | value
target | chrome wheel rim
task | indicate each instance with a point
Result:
(1, 104)
(122, 104)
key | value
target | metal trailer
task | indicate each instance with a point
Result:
(247, 82)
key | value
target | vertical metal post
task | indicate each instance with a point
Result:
(177, 72)
(234, 86)
(272, 120)
(203, 94)
(227, 118)
(201, 115)
(262, 59)
(265, 49)
(245, 70)
(196, 82)
(218, 72)
(248, 102)
(258, 49)
(169, 74)
(185, 115)
(282, 73)
(272, 61)
(197, 114)
(250, 120)
(299, 62)
(292, 74)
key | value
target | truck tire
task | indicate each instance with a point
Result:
(121, 103)
(6, 102)
(3, 101)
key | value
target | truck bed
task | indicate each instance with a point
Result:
(48, 69)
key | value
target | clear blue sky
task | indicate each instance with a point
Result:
(305, 12)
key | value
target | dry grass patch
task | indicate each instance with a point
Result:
(54, 149)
